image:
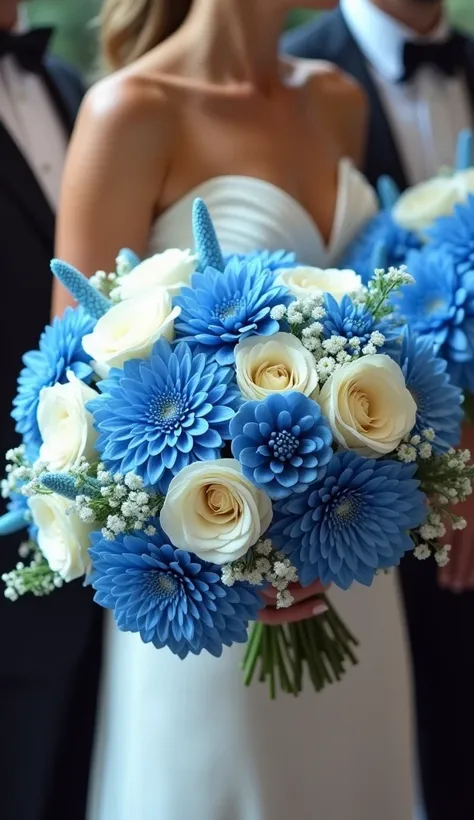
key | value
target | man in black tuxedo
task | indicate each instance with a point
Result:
(419, 77)
(50, 647)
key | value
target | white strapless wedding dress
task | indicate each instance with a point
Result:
(186, 740)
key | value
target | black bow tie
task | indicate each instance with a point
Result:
(446, 56)
(29, 49)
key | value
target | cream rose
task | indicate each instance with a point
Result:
(62, 537)
(421, 205)
(65, 425)
(130, 329)
(212, 510)
(368, 405)
(171, 269)
(303, 282)
(275, 364)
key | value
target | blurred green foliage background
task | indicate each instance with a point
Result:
(76, 31)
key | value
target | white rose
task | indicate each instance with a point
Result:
(368, 405)
(303, 282)
(65, 425)
(171, 269)
(418, 207)
(211, 509)
(130, 329)
(62, 537)
(272, 364)
(465, 183)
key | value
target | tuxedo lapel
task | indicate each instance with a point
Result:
(382, 154)
(469, 70)
(65, 106)
(17, 177)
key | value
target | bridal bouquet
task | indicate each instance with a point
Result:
(200, 429)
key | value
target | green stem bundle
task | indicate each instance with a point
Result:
(323, 646)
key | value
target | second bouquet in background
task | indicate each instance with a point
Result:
(201, 430)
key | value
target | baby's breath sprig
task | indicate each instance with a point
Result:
(381, 286)
(119, 505)
(262, 565)
(35, 578)
(107, 283)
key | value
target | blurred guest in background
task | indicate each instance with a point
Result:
(419, 77)
(50, 649)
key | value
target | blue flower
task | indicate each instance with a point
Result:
(283, 443)
(349, 319)
(271, 260)
(18, 505)
(454, 234)
(355, 521)
(380, 231)
(440, 306)
(60, 350)
(223, 307)
(169, 596)
(157, 416)
(438, 400)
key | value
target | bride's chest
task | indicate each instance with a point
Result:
(286, 145)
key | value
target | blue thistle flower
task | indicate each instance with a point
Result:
(440, 306)
(271, 260)
(205, 239)
(349, 319)
(438, 400)
(464, 150)
(93, 302)
(60, 350)
(222, 307)
(454, 235)
(353, 522)
(169, 596)
(362, 255)
(127, 259)
(283, 443)
(157, 416)
(14, 520)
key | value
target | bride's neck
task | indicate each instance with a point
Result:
(233, 41)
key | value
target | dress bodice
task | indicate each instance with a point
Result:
(251, 214)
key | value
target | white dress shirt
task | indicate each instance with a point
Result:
(427, 113)
(29, 115)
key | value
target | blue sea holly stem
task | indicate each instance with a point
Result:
(205, 239)
(388, 192)
(93, 302)
(464, 151)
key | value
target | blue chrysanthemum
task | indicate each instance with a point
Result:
(60, 350)
(169, 596)
(283, 443)
(271, 260)
(440, 306)
(353, 522)
(349, 319)
(222, 307)
(157, 416)
(380, 230)
(438, 400)
(454, 235)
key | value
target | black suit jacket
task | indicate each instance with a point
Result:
(35, 635)
(329, 38)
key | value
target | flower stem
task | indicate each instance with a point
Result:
(323, 646)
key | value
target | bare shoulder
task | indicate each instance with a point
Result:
(341, 99)
(124, 111)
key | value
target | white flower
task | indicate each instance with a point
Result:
(303, 281)
(62, 537)
(211, 509)
(368, 405)
(171, 269)
(420, 205)
(129, 330)
(65, 425)
(278, 363)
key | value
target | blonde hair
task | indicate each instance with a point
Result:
(131, 28)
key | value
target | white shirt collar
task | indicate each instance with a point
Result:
(381, 38)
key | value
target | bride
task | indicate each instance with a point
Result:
(202, 105)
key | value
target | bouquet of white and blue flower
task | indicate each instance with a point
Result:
(201, 429)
